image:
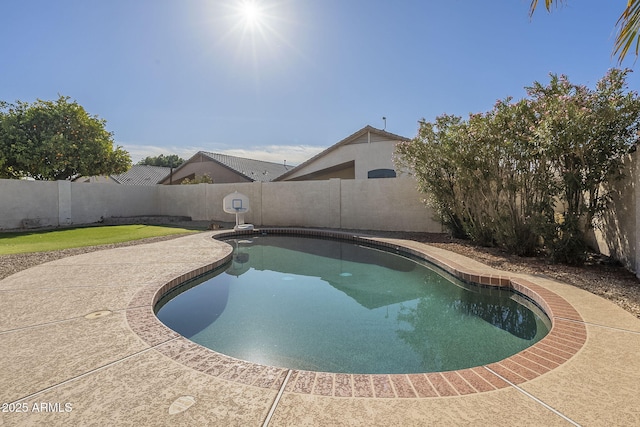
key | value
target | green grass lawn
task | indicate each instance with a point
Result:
(42, 241)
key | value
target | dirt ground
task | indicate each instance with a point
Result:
(599, 275)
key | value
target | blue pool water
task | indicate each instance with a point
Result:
(329, 305)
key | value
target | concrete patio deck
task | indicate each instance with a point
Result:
(79, 345)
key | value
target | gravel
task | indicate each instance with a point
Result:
(598, 276)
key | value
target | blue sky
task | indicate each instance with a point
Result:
(178, 76)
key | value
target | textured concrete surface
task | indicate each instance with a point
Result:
(79, 346)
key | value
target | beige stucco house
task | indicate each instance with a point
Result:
(368, 153)
(224, 169)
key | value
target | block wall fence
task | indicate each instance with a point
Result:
(381, 204)
(392, 204)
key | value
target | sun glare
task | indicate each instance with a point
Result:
(251, 13)
(256, 32)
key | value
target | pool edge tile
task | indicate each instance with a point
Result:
(567, 336)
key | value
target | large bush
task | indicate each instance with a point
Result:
(528, 175)
(51, 140)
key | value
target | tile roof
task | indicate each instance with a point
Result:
(255, 170)
(142, 175)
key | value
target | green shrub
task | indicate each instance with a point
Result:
(499, 177)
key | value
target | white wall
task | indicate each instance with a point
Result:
(385, 204)
(373, 204)
(368, 154)
(301, 203)
(28, 203)
(377, 154)
(181, 200)
(391, 204)
(92, 202)
(615, 233)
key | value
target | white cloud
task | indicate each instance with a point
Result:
(292, 154)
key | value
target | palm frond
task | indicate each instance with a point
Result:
(628, 25)
(547, 5)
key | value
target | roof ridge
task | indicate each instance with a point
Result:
(241, 158)
(251, 169)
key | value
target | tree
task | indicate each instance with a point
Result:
(171, 160)
(204, 179)
(529, 175)
(56, 140)
(586, 133)
(3, 150)
(483, 177)
(628, 25)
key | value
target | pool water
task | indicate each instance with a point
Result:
(335, 306)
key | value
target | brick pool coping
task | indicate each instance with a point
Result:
(565, 338)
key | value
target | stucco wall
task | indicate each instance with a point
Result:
(28, 204)
(615, 234)
(302, 203)
(216, 192)
(366, 204)
(201, 166)
(374, 155)
(385, 204)
(377, 154)
(376, 204)
(91, 202)
(182, 200)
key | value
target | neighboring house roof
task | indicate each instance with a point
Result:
(254, 170)
(347, 140)
(136, 175)
(141, 175)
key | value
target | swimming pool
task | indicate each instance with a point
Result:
(337, 306)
